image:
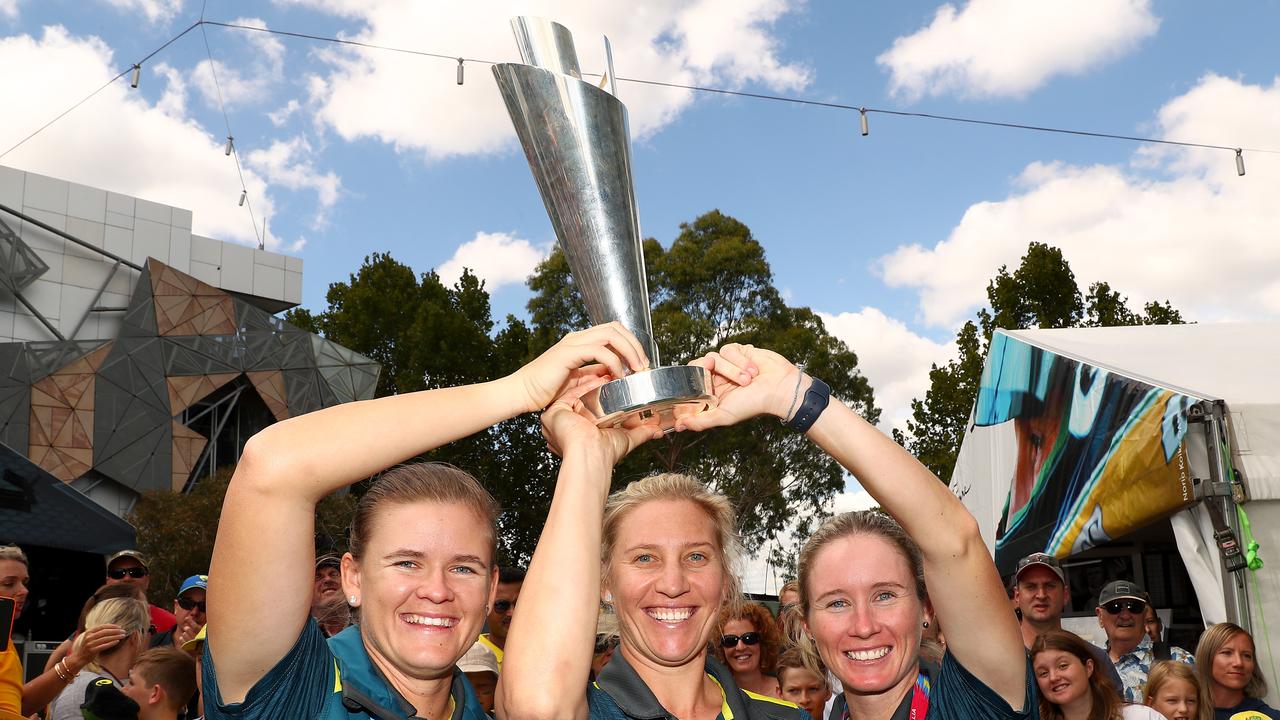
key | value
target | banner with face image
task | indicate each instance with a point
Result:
(1097, 455)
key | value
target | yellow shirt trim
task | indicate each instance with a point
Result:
(337, 677)
(774, 700)
(497, 651)
(725, 711)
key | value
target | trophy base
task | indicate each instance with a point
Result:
(652, 397)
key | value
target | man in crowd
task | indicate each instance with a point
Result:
(509, 582)
(480, 666)
(1040, 592)
(1122, 606)
(188, 608)
(328, 606)
(130, 567)
(162, 681)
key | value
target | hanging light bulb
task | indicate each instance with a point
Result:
(135, 76)
(459, 71)
(863, 120)
(230, 142)
(244, 194)
(1240, 161)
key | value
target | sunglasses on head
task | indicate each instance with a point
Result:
(1133, 606)
(502, 607)
(133, 572)
(604, 642)
(751, 638)
(188, 604)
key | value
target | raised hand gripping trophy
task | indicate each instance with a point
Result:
(575, 137)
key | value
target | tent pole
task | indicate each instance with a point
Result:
(1234, 589)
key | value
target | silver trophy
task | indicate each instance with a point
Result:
(575, 137)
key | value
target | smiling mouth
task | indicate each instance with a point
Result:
(670, 615)
(867, 655)
(742, 657)
(436, 622)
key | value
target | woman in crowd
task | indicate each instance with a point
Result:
(749, 643)
(134, 618)
(664, 567)
(1071, 688)
(1229, 672)
(421, 565)
(18, 700)
(1174, 690)
(803, 686)
(117, 590)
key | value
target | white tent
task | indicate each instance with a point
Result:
(1236, 363)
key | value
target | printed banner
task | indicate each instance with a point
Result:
(1098, 455)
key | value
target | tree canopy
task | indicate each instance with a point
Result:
(711, 286)
(1041, 293)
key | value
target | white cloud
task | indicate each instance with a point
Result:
(9, 9)
(423, 110)
(280, 116)
(497, 258)
(894, 359)
(117, 140)
(153, 10)
(1011, 47)
(289, 163)
(258, 67)
(1197, 235)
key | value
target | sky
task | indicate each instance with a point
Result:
(892, 237)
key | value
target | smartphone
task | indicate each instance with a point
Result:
(8, 608)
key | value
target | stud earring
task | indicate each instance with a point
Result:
(926, 623)
(352, 601)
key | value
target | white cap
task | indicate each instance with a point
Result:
(479, 658)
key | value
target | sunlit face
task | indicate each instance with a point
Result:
(504, 605)
(422, 586)
(1124, 628)
(1176, 699)
(328, 583)
(1040, 594)
(1062, 678)
(802, 687)
(14, 582)
(195, 598)
(742, 658)
(1233, 663)
(667, 582)
(138, 690)
(864, 613)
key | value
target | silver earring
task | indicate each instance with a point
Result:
(352, 600)
(926, 623)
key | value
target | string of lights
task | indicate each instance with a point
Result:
(231, 143)
(863, 111)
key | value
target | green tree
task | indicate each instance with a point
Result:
(1042, 292)
(176, 531)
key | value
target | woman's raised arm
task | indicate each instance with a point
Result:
(964, 587)
(259, 594)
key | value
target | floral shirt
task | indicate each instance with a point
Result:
(1134, 666)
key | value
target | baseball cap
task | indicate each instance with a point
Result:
(195, 581)
(1042, 559)
(196, 644)
(478, 659)
(142, 559)
(104, 701)
(1121, 589)
(328, 561)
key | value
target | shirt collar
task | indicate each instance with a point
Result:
(1143, 648)
(365, 688)
(621, 682)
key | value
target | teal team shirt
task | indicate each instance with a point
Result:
(331, 679)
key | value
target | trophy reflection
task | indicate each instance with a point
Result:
(575, 137)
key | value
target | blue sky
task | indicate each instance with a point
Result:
(893, 236)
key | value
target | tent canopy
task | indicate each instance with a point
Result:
(37, 508)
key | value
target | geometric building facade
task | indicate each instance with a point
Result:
(176, 379)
